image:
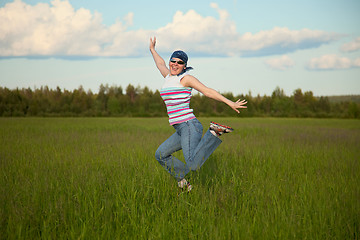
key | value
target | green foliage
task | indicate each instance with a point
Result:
(142, 102)
(97, 178)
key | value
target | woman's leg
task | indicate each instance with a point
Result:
(164, 156)
(205, 148)
(191, 133)
(197, 150)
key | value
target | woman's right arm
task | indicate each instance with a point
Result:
(159, 61)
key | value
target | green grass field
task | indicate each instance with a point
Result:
(97, 178)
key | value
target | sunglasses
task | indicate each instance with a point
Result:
(178, 62)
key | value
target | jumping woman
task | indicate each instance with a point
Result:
(176, 93)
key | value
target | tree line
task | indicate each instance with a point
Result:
(143, 102)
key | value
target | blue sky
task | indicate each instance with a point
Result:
(234, 46)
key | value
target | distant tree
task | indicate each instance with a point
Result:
(354, 110)
(281, 104)
(266, 105)
(114, 102)
(142, 102)
(102, 100)
(132, 93)
(323, 106)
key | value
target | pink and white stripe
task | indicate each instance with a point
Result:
(177, 101)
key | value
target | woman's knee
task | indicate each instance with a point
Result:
(159, 155)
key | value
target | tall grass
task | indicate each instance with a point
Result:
(97, 178)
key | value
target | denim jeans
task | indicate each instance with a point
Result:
(196, 150)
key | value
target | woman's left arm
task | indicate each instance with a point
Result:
(190, 81)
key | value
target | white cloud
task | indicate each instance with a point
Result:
(351, 46)
(281, 63)
(60, 30)
(356, 62)
(332, 62)
(44, 30)
(129, 19)
(208, 35)
(282, 40)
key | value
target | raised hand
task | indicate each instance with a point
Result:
(152, 43)
(238, 104)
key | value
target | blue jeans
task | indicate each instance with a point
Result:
(196, 150)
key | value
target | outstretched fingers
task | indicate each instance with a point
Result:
(241, 103)
(152, 42)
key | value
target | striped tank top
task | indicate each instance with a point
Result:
(177, 99)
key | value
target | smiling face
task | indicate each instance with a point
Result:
(175, 67)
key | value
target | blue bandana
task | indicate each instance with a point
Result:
(183, 56)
